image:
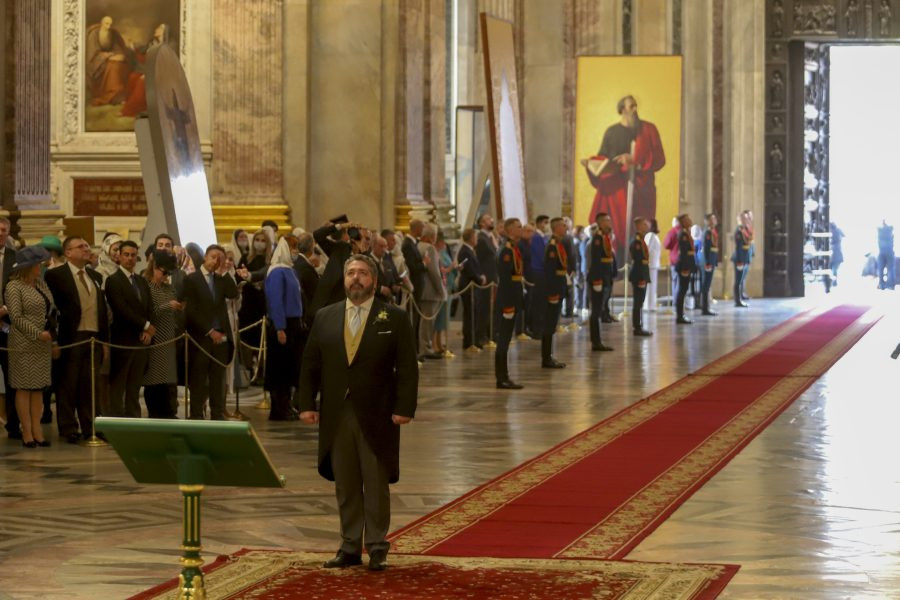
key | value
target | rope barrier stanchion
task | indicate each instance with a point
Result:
(473, 348)
(263, 404)
(491, 343)
(187, 376)
(93, 441)
(236, 360)
(447, 353)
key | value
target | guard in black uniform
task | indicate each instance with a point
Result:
(685, 267)
(601, 273)
(710, 261)
(555, 265)
(743, 239)
(639, 276)
(509, 300)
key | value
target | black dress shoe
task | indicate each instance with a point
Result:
(342, 560)
(642, 333)
(44, 444)
(433, 355)
(553, 364)
(741, 304)
(73, 438)
(601, 348)
(709, 313)
(378, 560)
(31, 444)
(509, 385)
(14, 435)
(683, 321)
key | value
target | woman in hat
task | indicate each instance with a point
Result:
(161, 377)
(32, 314)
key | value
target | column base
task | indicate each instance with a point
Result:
(30, 225)
(404, 213)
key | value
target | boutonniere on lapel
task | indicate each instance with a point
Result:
(381, 317)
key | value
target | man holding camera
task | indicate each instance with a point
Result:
(339, 239)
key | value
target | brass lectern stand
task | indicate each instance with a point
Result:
(192, 454)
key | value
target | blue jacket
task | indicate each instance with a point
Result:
(538, 244)
(283, 297)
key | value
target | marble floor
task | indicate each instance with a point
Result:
(810, 509)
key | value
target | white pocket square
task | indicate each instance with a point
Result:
(384, 332)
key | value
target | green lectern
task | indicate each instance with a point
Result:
(191, 454)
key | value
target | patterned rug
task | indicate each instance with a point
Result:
(288, 575)
(598, 494)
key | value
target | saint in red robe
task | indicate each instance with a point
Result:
(612, 183)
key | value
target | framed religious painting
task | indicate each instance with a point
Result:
(117, 36)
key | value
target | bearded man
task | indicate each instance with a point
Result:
(360, 359)
(107, 63)
(631, 150)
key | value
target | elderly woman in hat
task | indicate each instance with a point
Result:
(32, 315)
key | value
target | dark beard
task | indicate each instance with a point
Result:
(360, 294)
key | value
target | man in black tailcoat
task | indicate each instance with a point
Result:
(360, 360)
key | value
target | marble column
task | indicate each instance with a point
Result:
(436, 124)
(697, 99)
(591, 27)
(247, 106)
(37, 214)
(651, 25)
(295, 110)
(744, 72)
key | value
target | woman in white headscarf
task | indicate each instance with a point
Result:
(283, 330)
(109, 255)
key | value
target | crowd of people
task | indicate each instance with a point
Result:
(92, 327)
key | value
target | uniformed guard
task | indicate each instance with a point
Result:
(685, 267)
(509, 300)
(743, 239)
(639, 274)
(555, 264)
(601, 273)
(710, 261)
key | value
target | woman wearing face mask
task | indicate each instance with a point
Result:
(253, 298)
(240, 241)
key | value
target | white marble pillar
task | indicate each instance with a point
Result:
(744, 114)
(698, 110)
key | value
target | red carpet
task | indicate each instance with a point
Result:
(298, 575)
(597, 495)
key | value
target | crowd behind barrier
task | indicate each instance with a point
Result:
(92, 327)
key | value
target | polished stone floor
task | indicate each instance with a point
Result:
(810, 509)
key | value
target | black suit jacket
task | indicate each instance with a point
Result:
(64, 288)
(202, 308)
(331, 285)
(487, 256)
(129, 312)
(470, 270)
(382, 380)
(309, 281)
(415, 265)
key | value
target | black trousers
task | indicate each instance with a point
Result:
(504, 335)
(468, 318)
(570, 301)
(551, 319)
(126, 370)
(283, 368)
(639, 293)
(12, 417)
(606, 294)
(161, 400)
(684, 282)
(705, 287)
(482, 315)
(535, 306)
(596, 314)
(207, 378)
(73, 388)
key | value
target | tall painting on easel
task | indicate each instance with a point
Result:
(505, 123)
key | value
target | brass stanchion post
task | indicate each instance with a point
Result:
(491, 343)
(263, 404)
(473, 348)
(93, 441)
(237, 414)
(190, 581)
(187, 377)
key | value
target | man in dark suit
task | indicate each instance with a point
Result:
(361, 361)
(7, 260)
(470, 273)
(82, 316)
(486, 251)
(205, 292)
(414, 261)
(306, 271)
(128, 296)
(338, 241)
(388, 278)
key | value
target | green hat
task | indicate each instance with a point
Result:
(51, 242)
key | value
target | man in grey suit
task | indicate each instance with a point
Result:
(360, 360)
(433, 292)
